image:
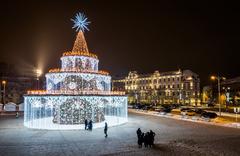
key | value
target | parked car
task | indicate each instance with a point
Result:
(163, 109)
(211, 115)
(184, 109)
(187, 111)
(199, 111)
(175, 106)
(190, 112)
(158, 108)
(135, 106)
(147, 107)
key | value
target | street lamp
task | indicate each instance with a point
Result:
(218, 78)
(4, 90)
(39, 73)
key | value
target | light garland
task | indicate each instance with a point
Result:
(79, 53)
(75, 92)
(57, 70)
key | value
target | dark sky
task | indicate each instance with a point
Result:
(202, 36)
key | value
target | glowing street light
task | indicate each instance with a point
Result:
(218, 78)
(39, 73)
(4, 90)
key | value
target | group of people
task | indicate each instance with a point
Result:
(88, 125)
(145, 138)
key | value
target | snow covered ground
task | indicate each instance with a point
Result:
(173, 137)
(46, 123)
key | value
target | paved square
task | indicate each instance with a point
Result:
(173, 137)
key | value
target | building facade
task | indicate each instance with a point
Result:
(174, 87)
(14, 83)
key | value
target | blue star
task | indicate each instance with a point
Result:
(80, 22)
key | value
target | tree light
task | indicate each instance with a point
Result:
(75, 92)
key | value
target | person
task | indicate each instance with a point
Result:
(17, 115)
(106, 129)
(90, 125)
(86, 124)
(146, 139)
(151, 138)
(141, 140)
(139, 132)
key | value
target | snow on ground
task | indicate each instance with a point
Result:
(173, 137)
(46, 123)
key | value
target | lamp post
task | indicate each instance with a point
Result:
(218, 78)
(39, 73)
(4, 91)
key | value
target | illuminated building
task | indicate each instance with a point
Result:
(230, 92)
(175, 87)
(75, 92)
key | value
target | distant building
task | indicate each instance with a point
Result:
(230, 88)
(207, 95)
(15, 88)
(174, 87)
(13, 85)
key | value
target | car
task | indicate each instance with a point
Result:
(199, 111)
(146, 107)
(163, 109)
(190, 112)
(184, 109)
(158, 109)
(211, 115)
(167, 109)
(175, 106)
(136, 106)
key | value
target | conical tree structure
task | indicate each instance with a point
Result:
(80, 44)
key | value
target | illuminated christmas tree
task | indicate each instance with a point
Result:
(75, 92)
(80, 44)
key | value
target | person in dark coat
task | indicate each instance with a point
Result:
(151, 138)
(106, 129)
(146, 139)
(139, 133)
(86, 124)
(90, 125)
(141, 140)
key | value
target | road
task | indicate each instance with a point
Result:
(173, 137)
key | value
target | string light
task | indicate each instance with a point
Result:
(75, 92)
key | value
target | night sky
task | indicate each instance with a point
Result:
(139, 35)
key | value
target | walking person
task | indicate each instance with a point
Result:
(105, 130)
(90, 125)
(86, 124)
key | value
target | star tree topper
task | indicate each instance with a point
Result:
(80, 22)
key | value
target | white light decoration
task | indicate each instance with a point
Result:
(72, 85)
(76, 92)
